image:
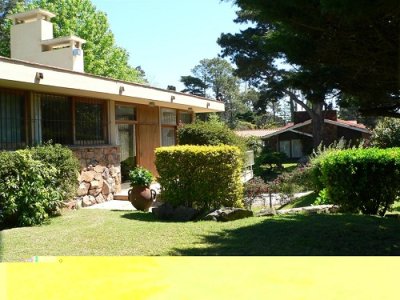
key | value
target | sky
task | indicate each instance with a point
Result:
(167, 38)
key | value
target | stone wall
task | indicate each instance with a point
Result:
(100, 176)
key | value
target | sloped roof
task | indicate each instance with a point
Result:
(343, 123)
(255, 132)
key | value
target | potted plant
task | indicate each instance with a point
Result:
(140, 194)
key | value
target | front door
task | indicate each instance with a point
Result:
(148, 137)
(149, 140)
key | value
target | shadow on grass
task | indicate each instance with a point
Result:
(140, 216)
(305, 235)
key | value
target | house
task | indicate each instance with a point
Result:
(296, 139)
(45, 95)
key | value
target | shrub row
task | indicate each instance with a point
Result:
(213, 132)
(359, 180)
(202, 177)
(33, 183)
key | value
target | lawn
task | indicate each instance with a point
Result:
(97, 232)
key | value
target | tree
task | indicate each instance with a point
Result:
(278, 58)
(214, 78)
(354, 43)
(81, 18)
(194, 86)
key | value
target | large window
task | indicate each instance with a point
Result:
(69, 121)
(170, 119)
(12, 120)
(90, 122)
(56, 119)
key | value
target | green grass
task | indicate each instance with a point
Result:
(306, 200)
(113, 233)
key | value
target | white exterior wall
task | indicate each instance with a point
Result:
(26, 39)
(26, 44)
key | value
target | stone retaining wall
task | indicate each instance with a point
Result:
(100, 176)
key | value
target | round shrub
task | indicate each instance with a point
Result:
(28, 190)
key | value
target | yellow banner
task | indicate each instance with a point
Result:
(201, 278)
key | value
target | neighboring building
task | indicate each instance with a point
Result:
(296, 139)
(45, 95)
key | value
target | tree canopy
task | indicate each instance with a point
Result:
(80, 17)
(347, 48)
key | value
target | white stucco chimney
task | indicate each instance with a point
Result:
(32, 40)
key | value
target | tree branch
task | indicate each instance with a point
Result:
(294, 98)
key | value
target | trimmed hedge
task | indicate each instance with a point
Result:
(202, 177)
(209, 133)
(360, 180)
(28, 190)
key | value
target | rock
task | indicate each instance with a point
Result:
(78, 204)
(96, 184)
(163, 212)
(106, 173)
(267, 212)
(316, 209)
(94, 192)
(100, 198)
(88, 176)
(229, 214)
(99, 168)
(113, 171)
(106, 188)
(86, 201)
(83, 189)
(182, 213)
(92, 199)
(98, 177)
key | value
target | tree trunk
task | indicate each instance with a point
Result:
(317, 120)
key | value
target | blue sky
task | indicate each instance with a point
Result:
(167, 38)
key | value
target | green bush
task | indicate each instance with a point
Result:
(212, 132)
(64, 161)
(202, 177)
(268, 163)
(314, 165)
(361, 180)
(295, 181)
(140, 176)
(29, 192)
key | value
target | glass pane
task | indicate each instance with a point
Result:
(168, 116)
(185, 117)
(89, 125)
(297, 148)
(56, 119)
(127, 141)
(125, 113)
(168, 137)
(284, 146)
(12, 121)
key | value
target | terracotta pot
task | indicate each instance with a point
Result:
(141, 197)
